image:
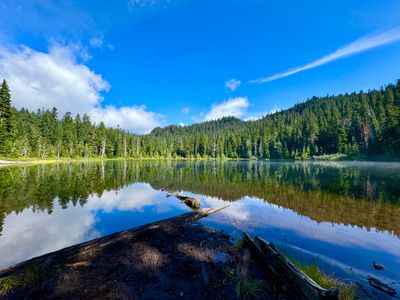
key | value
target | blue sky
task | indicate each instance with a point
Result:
(147, 63)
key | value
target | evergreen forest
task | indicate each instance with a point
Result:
(362, 123)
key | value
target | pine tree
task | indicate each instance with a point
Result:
(5, 116)
(5, 105)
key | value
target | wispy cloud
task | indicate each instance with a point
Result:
(360, 45)
(232, 84)
(132, 4)
(96, 42)
(186, 110)
(232, 107)
(138, 4)
(275, 109)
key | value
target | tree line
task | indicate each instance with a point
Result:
(355, 123)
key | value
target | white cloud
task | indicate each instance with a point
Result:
(42, 80)
(55, 79)
(186, 110)
(135, 118)
(73, 50)
(232, 107)
(360, 45)
(232, 84)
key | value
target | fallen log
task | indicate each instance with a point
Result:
(381, 286)
(193, 203)
(119, 260)
(140, 263)
(287, 273)
(70, 252)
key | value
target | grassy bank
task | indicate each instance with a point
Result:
(358, 157)
(346, 291)
(4, 161)
(327, 157)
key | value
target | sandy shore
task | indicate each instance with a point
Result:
(4, 163)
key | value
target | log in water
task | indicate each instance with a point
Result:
(287, 273)
(189, 201)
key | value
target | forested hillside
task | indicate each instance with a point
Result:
(357, 123)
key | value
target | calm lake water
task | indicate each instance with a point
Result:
(341, 215)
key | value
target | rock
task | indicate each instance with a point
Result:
(378, 266)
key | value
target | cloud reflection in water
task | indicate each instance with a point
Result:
(29, 233)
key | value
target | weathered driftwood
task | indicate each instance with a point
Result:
(286, 272)
(204, 212)
(381, 286)
(193, 203)
(76, 250)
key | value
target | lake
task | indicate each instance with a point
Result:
(341, 215)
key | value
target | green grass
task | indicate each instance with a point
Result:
(346, 291)
(8, 284)
(246, 287)
(28, 278)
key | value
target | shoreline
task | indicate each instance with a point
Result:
(167, 259)
(4, 161)
(173, 258)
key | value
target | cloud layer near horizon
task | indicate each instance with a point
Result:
(55, 79)
(235, 107)
(360, 45)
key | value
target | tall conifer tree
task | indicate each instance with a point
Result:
(5, 106)
(5, 116)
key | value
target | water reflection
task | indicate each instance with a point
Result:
(29, 233)
(347, 251)
(132, 197)
(342, 214)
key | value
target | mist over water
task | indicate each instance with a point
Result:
(343, 215)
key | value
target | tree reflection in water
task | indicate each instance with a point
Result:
(365, 195)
